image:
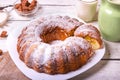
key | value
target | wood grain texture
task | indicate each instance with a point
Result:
(104, 70)
(65, 2)
(45, 10)
(8, 70)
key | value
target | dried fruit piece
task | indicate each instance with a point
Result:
(3, 34)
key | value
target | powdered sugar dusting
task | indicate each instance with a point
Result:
(46, 51)
(78, 41)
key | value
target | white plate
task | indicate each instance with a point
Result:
(11, 44)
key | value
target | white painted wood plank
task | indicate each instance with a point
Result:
(45, 10)
(43, 1)
(104, 70)
(65, 2)
(7, 2)
(112, 49)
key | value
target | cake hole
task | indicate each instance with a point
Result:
(52, 34)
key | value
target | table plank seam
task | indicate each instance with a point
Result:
(116, 59)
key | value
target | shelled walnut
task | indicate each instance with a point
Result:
(25, 6)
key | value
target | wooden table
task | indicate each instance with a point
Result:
(106, 69)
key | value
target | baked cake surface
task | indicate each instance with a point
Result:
(50, 45)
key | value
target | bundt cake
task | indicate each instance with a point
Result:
(91, 34)
(48, 45)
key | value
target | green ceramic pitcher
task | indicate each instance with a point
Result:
(109, 19)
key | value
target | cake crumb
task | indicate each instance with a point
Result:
(3, 34)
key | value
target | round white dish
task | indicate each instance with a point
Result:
(12, 43)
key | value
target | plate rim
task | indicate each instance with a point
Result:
(13, 37)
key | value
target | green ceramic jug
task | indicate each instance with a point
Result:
(109, 19)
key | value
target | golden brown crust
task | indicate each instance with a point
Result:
(89, 32)
(35, 40)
